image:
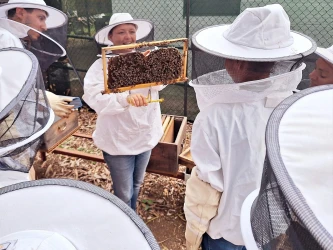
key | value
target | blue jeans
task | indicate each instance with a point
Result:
(219, 244)
(127, 173)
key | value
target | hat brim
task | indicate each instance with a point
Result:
(212, 41)
(325, 54)
(245, 220)
(143, 29)
(68, 208)
(38, 239)
(56, 18)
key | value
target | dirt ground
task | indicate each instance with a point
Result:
(161, 199)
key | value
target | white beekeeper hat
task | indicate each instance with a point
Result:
(55, 17)
(37, 240)
(71, 215)
(143, 27)
(19, 70)
(257, 34)
(326, 54)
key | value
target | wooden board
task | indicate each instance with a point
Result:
(164, 157)
(185, 158)
(165, 123)
(169, 132)
(60, 131)
(163, 118)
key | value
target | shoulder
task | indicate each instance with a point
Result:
(7, 39)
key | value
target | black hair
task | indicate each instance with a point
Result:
(11, 13)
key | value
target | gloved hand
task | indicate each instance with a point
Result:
(137, 100)
(59, 104)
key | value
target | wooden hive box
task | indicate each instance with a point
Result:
(164, 157)
(60, 131)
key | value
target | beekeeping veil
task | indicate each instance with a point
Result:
(255, 58)
(64, 214)
(24, 110)
(293, 208)
(47, 46)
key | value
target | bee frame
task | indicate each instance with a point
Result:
(182, 78)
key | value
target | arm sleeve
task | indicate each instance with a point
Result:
(205, 186)
(207, 155)
(111, 104)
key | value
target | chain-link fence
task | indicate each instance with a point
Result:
(176, 19)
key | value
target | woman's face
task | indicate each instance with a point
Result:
(123, 34)
(322, 74)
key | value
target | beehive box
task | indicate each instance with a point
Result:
(164, 157)
(60, 131)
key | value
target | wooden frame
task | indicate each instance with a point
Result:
(183, 77)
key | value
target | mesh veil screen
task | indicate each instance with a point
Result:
(274, 222)
(22, 119)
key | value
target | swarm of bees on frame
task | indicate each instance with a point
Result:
(130, 69)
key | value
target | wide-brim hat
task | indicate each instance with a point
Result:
(56, 18)
(18, 66)
(143, 27)
(83, 214)
(36, 239)
(326, 54)
(257, 34)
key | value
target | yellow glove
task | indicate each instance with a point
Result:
(59, 104)
(137, 100)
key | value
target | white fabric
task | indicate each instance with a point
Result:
(228, 146)
(87, 220)
(257, 33)
(273, 89)
(12, 177)
(7, 39)
(143, 27)
(326, 54)
(306, 145)
(246, 227)
(55, 17)
(121, 129)
(11, 86)
(37, 240)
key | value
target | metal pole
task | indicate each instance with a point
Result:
(188, 2)
(87, 13)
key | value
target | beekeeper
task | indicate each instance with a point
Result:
(37, 15)
(227, 144)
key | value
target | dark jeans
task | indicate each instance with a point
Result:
(219, 244)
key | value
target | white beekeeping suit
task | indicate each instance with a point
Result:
(235, 100)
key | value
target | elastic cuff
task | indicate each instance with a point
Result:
(122, 99)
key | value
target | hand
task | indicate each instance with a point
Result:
(137, 100)
(59, 104)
